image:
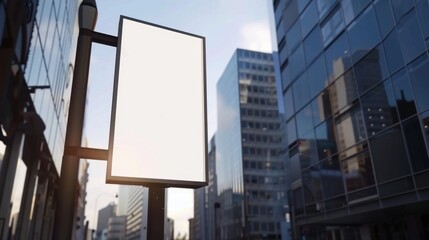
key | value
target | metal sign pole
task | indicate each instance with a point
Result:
(156, 213)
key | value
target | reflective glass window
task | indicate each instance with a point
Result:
(379, 108)
(393, 52)
(425, 125)
(358, 171)
(404, 95)
(307, 149)
(422, 7)
(321, 108)
(301, 93)
(291, 14)
(289, 109)
(384, 16)
(350, 128)
(293, 36)
(324, 5)
(343, 92)
(302, 4)
(317, 76)
(401, 7)
(294, 167)
(297, 62)
(286, 78)
(338, 57)
(410, 36)
(416, 144)
(309, 18)
(298, 200)
(396, 157)
(304, 121)
(352, 8)
(332, 26)
(332, 178)
(313, 45)
(291, 131)
(326, 143)
(419, 72)
(363, 34)
(371, 69)
(311, 181)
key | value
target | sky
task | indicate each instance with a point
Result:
(226, 25)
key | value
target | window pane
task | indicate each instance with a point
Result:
(309, 18)
(291, 13)
(294, 168)
(291, 131)
(301, 93)
(317, 76)
(349, 128)
(324, 5)
(293, 36)
(371, 69)
(325, 135)
(296, 62)
(289, 109)
(410, 36)
(313, 45)
(338, 58)
(307, 150)
(304, 121)
(404, 95)
(343, 92)
(419, 72)
(321, 108)
(358, 171)
(363, 34)
(416, 145)
(393, 52)
(312, 185)
(384, 16)
(352, 8)
(400, 7)
(332, 26)
(379, 108)
(332, 178)
(396, 158)
(422, 7)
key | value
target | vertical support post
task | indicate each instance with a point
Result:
(156, 213)
(64, 216)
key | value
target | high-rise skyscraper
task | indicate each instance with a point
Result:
(354, 77)
(249, 167)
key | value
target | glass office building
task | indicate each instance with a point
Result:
(355, 82)
(37, 43)
(250, 171)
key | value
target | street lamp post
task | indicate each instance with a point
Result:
(64, 215)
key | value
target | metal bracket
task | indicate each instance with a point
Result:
(87, 153)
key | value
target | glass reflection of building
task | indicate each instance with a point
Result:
(249, 166)
(37, 38)
(354, 76)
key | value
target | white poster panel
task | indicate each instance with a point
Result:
(158, 130)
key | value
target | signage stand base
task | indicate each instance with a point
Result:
(156, 213)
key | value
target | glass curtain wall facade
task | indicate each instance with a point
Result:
(249, 168)
(36, 39)
(355, 80)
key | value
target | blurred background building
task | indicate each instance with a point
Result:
(354, 80)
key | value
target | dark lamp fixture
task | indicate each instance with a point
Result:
(88, 14)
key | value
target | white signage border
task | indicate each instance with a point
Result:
(158, 129)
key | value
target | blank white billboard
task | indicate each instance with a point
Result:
(158, 129)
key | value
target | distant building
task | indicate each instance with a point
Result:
(137, 209)
(192, 229)
(117, 228)
(169, 230)
(249, 165)
(104, 215)
(205, 199)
